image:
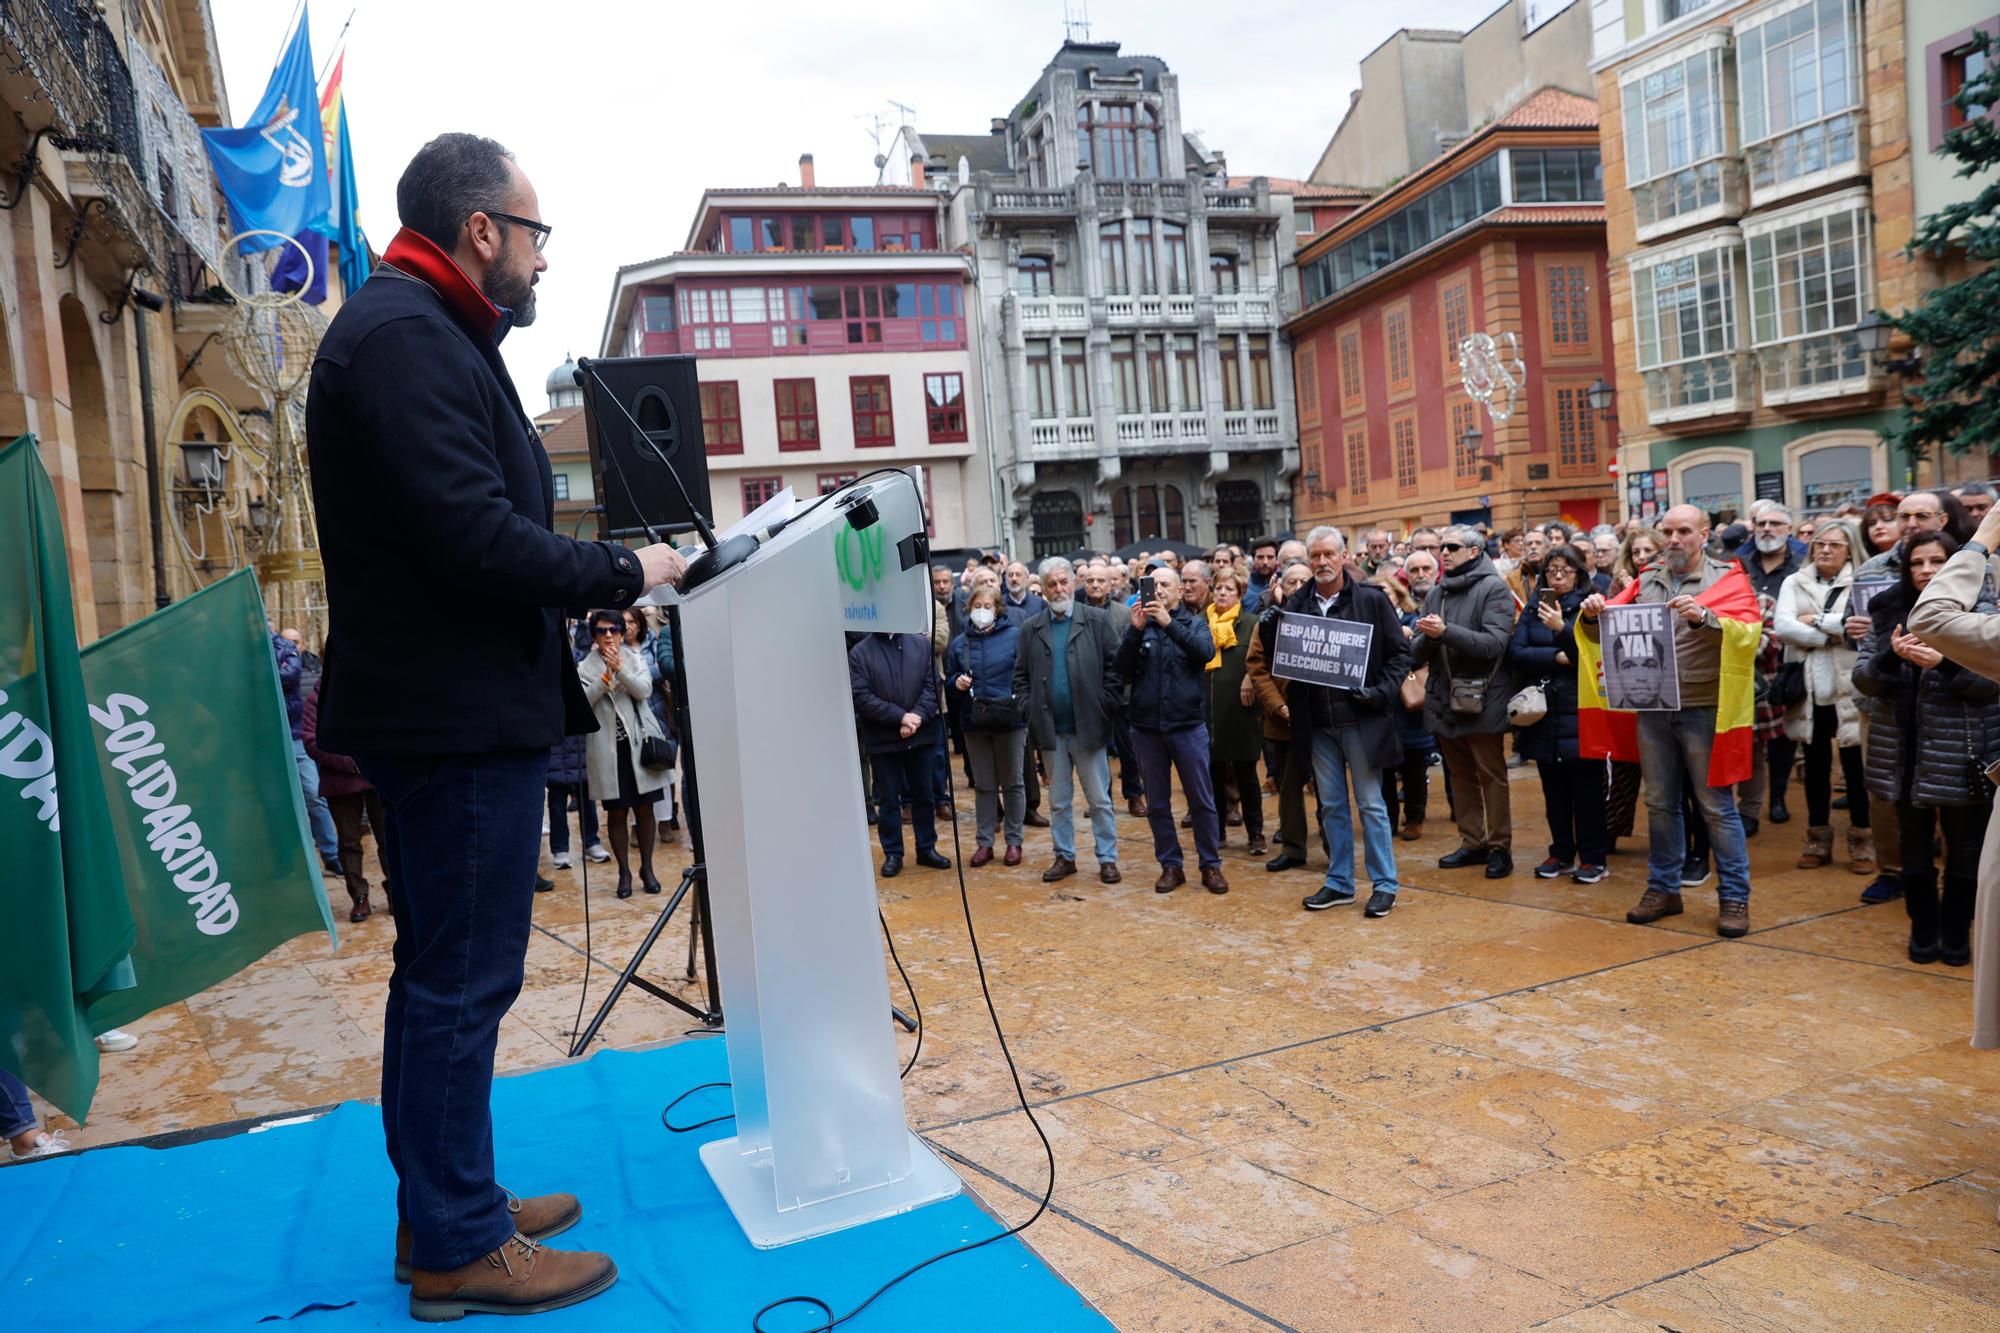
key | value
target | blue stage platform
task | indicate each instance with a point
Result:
(294, 1224)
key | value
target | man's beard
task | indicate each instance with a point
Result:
(1771, 544)
(1418, 587)
(517, 296)
(1676, 560)
(1061, 606)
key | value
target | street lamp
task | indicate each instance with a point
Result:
(1471, 445)
(1602, 399)
(256, 512)
(202, 460)
(1874, 334)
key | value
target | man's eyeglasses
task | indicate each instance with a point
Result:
(1451, 546)
(599, 631)
(539, 230)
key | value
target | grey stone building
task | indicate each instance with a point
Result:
(1130, 304)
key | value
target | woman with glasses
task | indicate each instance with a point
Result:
(1932, 725)
(618, 682)
(1573, 788)
(1810, 618)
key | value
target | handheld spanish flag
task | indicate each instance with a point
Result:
(1604, 732)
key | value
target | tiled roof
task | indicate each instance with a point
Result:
(1551, 109)
(818, 190)
(570, 435)
(1304, 189)
(1529, 214)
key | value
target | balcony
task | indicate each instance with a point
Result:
(1044, 314)
(1124, 308)
(1823, 365)
(1808, 157)
(1162, 430)
(1257, 309)
(1701, 193)
(1244, 427)
(1231, 201)
(1060, 437)
(1021, 202)
(1172, 194)
(1705, 387)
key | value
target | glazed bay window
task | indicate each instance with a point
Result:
(944, 408)
(1446, 207)
(1684, 308)
(1810, 287)
(1678, 113)
(1799, 81)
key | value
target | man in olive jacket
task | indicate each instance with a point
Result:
(1351, 735)
(1467, 622)
(1063, 670)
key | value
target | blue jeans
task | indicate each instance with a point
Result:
(1162, 753)
(904, 775)
(1339, 759)
(461, 845)
(17, 1113)
(1093, 770)
(1674, 747)
(317, 810)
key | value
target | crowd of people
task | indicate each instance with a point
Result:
(1040, 678)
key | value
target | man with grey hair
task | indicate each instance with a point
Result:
(1293, 552)
(1063, 672)
(1195, 576)
(1466, 624)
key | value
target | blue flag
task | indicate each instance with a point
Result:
(290, 273)
(272, 169)
(341, 224)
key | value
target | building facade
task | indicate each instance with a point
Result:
(1763, 162)
(1502, 235)
(1129, 312)
(833, 334)
(1425, 90)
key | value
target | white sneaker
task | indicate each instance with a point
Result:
(561, 861)
(48, 1145)
(595, 852)
(116, 1040)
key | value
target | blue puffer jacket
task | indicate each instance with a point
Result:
(988, 658)
(1532, 653)
(568, 757)
(1166, 665)
(291, 666)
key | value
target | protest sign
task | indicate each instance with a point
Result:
(1865, 591)
(1640, 670)
(1320, 651)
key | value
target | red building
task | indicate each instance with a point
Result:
(1503, 235)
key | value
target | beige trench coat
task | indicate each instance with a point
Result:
(623, 700)
(1943, 618)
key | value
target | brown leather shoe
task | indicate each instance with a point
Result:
(981, 857)
(1733, 921)
(1107, 872)
(1137, 805)
(1060, 868)
(518, 1278)
(1655, 904)
(1413, 830)
(1171, 878)
(538, 1217)
(1035, 819)
(1212, 880)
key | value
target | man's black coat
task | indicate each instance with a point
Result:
(435, 504)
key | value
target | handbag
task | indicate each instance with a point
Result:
(1529, 705)
(1467, 697)
(1411, 691)
(993, 714)
(653, 752)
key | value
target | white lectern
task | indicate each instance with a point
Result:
(821, 1138)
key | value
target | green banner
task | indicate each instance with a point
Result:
(68, 930)
(209, 819)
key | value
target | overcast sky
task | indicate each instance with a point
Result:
(623, 111)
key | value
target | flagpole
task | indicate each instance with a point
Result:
(339, 37)
(290, 24)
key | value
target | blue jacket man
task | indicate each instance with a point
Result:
(1165, 651)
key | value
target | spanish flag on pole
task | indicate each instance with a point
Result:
(1604, 732)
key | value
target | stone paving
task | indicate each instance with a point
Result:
(1500, 1107)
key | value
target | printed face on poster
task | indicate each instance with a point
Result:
(1864, 592)
(1320, 651)
(1640, 670)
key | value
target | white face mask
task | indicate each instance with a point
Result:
(982, 617)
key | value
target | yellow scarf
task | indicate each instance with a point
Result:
(1223, 631)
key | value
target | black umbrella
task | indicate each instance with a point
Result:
(1155, 545)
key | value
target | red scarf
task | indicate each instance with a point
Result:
(419, 256)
